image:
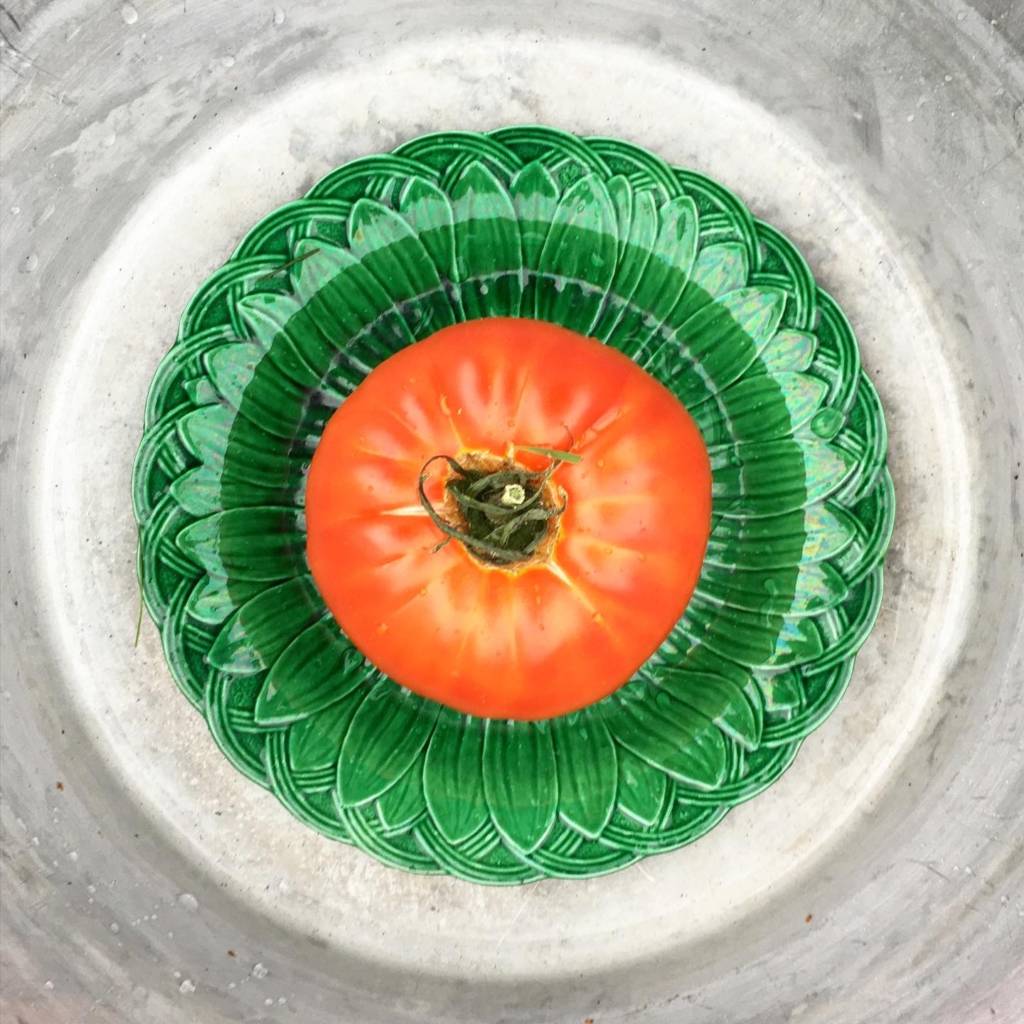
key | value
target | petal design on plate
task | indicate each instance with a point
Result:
(719, 699)
(488, 249)
(214, 598)
(803, 589)
(314, 742)
(199, 491)
(577, 262)
(346, 301)
(636, 215)
(206, 489)
(241, 464)
(826, 424)
(623, 197)
(750, 638)
(587, 772)
(387, 734)
(700, 660)
(642, 789)
(669, 735)
(717, 345)
(317, 668)
(180, 362)
(812, 534)
(623, 317)
(275, 323)
(429, 214)
(199, 390)
(208, 432)
(402, 804)
(717, 270)
(255, 636)
(520, 781)
(760, 408)
(453, 776)
(771, 477)
(788, 350)
(703, 660)
(782, 692)
(665, 276)
(534, 199)
(247, 544)
(389, 248)
(249, 381)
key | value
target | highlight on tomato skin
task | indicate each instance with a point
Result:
(508, 517)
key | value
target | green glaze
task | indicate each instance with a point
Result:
(601, 237)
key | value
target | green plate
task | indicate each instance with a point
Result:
(608, 240)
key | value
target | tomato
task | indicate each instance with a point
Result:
(616, 550)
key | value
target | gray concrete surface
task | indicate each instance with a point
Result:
(879, 881)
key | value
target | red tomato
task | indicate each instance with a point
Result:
(546, 635)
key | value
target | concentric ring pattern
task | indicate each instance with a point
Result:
(608, 240)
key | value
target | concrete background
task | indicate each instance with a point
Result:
(879, 881)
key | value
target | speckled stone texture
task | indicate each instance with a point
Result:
(880, 880)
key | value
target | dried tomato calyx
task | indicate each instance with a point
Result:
(502, 513)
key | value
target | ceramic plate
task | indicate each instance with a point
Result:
(601, 237)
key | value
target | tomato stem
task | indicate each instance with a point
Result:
(502, 515)
(551, 453)
(513, 495)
